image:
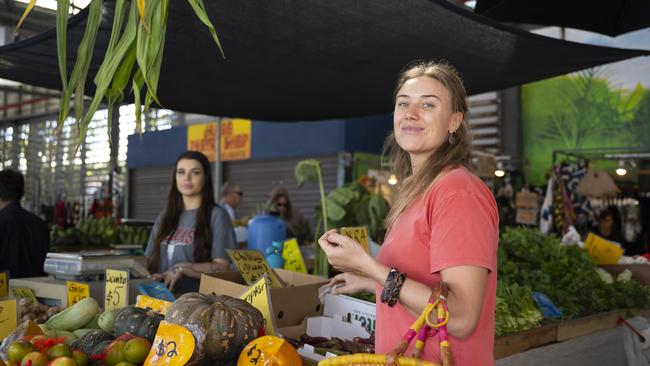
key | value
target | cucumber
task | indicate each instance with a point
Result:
(107, 321)
(75, 316)
(49, 333)
(93, 323)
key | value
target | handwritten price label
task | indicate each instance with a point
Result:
(4, 284)
(259, 296)
(293, 260)
(358, 233)
(77, 291)
(116, 293)
(8, 315)
(601, 250)
(252, 265)
(173, 346)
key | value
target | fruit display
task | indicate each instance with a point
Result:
(228, 323)
(98, 232)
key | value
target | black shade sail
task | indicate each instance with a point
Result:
(290, 60)
(610, 17)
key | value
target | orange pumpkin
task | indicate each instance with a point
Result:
(269, 351)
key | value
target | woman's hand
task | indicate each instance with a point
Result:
(171, 277)
(350, 283)
(156, 277)
(344, 253)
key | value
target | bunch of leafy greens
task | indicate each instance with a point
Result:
(515, 309)
(566, 274)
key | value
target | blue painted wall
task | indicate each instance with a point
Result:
(272, 140)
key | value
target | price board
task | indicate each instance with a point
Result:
(77, 291)
(8, 317)
(293, 260)
(252, 265)
(116, 289)
(358, 233)
(172, 346)
(602, 251)
(259, 296)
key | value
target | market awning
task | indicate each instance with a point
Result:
(308, 60)
(600, 16)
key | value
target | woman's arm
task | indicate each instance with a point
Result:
(195, 270)
(465, 299)
(466, 283)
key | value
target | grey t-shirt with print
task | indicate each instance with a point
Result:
(179, 247)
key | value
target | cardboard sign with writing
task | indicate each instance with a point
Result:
(4, 284)
(116, 290)
(77, 291)
(8, 315)
(293, 260)
(173, 346)
(252, 265)
(24, 292)
(358, 233)
(259, 296)
(602, 251)
(148, 302)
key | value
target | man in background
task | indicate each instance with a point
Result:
(24, 237)
(231, 195)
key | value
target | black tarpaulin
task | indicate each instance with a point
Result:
(611, 17)
(308, 60)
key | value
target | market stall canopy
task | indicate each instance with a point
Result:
(309, 60)
(600, 16)
(597, 185)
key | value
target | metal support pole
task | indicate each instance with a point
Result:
(115, 147)
(216, 171)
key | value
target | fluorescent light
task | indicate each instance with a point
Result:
(499, 173)
(392, 180)
(621, 171)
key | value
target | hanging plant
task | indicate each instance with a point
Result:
(134, 52)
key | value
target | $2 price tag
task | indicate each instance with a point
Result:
(173, 346)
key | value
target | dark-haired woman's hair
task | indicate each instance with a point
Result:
(174, 209)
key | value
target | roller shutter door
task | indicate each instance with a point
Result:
(148, 191)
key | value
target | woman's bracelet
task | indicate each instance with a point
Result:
(392, 287)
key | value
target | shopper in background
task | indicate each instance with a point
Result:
(24, 237)
(297, 227)
(231, 195)
(443, 225)
(609, 226)
(191, 236)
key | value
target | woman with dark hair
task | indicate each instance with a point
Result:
(191, 235)
(609, 225)
(281, 204)
(443, 228)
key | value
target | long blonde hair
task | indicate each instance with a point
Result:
(413, 187)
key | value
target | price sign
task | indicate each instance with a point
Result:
(358, 233)
(24, 292)
(293, 260)
(173, 346)
(252, 266)
(602, 251)
(77, 291)
(4, 284)
(8, 315)
(259, 296)
(148, 302)
(116, 290)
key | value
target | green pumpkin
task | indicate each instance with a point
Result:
(138, 322)
(229, 323)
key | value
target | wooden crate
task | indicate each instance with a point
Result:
(511, 344)
(587, 325)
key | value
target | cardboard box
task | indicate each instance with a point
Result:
(526, 216)
(351, 309)
(323, 326)
(527, 200)
(291, 304)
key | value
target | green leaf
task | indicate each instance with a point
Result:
(28, 9)
(116, 28)
(150, 45)
(62, 9)
(138, 82)
(154, 69)
(342, 196)
(335, 212)
(307, 171)
(122, 76)
(199, 9)
(108, 68)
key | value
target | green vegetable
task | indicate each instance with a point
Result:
(75, 316)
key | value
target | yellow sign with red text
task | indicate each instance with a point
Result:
(203, 138)
(235, 139)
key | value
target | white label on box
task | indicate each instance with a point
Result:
(351, 309)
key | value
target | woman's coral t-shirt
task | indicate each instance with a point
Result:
(455, 224)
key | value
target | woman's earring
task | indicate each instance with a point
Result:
(452, 138)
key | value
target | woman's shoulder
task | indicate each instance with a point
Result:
(459, 180)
